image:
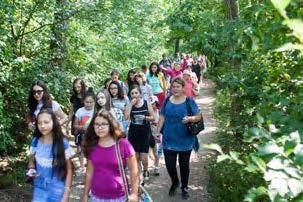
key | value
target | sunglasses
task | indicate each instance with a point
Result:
(37, 92)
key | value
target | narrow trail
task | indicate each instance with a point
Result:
(158, 186)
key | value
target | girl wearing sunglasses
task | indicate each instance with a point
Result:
(40, 98)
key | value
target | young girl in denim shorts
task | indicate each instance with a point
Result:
(50, 163)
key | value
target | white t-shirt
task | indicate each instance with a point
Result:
(84, 116)
(146, 91)
(55, 108)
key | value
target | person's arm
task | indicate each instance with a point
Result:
(134, 178)
(195, 89)
(31, 164)
(192, 119)
(77, 125)
(128, 108)
(166, 70)
(88, 180)
(160, 124)
(68, 181)
(195, 110)
(151, 116)
(150, 93)
(63, 118)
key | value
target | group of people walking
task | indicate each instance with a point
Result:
(147, 112)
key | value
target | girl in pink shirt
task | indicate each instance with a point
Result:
(103, 181)
(176, 71)
(190, 88)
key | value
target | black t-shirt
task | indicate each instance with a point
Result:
(77, 103)
(196, 68)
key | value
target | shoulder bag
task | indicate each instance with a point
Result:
(197, 127)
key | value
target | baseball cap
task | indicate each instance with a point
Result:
(186, 71)
(153, 99)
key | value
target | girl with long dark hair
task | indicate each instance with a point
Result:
(51, 153)
(40, 98)
(76, 100)
(83, 117)
(130, 80)
(156, 80)
(104, 101)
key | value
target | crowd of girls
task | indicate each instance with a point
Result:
(135, 115)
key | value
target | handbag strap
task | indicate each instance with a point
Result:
(121, 168)
(188, 108)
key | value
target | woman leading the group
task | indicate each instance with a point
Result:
(176, 139)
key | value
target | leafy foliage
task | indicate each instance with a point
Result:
(99, 35)
(263, 79)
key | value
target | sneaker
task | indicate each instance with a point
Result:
(157, 171)
(184, 193)
(146, 175)
(172, 189)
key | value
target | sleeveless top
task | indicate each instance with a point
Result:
(135, 111)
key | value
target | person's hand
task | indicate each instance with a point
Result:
(85, 198)
(133, 198)
(31, 126)
(186, 119)
(133, 101)
(65, 199)
(158, 138)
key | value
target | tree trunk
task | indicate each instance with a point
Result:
(231, 15)
(58, 44)
(232, 9)
(177, 46)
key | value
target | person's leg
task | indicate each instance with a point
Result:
(156, 160)
(144, 159)
(138, 158)
(184, 158)
(170, 162)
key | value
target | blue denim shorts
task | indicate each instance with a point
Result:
(47, 191)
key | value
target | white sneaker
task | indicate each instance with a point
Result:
(157, 171)
(146, 175)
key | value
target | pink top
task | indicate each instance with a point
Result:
(188, 88)
(107, 182)
(172, 72)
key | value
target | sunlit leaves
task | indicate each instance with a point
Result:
(281, 5)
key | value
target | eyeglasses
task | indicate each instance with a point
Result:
(101, 125)
(37, 92)
(113, 88)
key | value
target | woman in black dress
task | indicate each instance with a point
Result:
(140, 114)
